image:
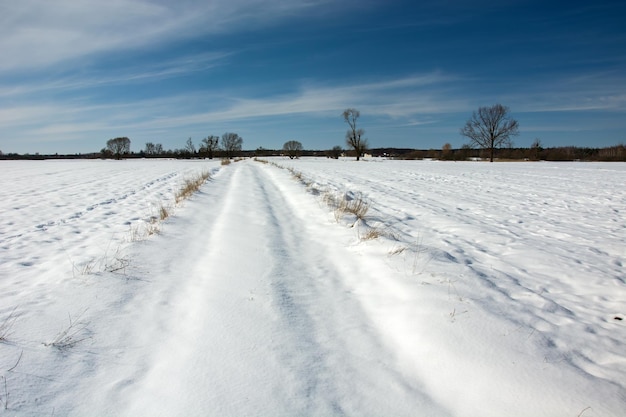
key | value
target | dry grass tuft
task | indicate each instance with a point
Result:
(358, 207)
(295, 174)
(353, 204)
(117, 263)
(413, 254)
(372, 233)
(72, 335)
(348, 203)
(88, 267)
(7, 325)
(164, 213)
(152, 225)
(142, 230)
(376, 232)
(397, 250)
(191, 185)
(225, 161)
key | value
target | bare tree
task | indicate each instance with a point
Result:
(292, 148)
(490, 128)
(535, 149)
(335, 152)
(231, 142)
(209, 145)
(446, 151)
(354, 136)
(118, 146)
(153, 149)
(149, 150)
(190, 147)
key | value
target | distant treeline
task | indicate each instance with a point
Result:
(567, 153)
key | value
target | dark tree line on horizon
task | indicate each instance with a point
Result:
(229, 146)
(615, 153)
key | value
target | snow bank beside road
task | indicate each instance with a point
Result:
(532, 255)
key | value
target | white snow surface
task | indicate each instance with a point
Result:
(489, 289)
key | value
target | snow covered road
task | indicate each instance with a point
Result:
(258, 319)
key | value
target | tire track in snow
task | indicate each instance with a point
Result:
(265, 323)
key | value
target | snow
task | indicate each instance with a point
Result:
(491, 289)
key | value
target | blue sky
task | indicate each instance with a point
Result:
(74, 74)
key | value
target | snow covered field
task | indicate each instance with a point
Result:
(490, 289)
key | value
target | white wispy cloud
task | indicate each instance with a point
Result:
(580, 92)
(41, 33)
(400, 97)
(180, 66)
(38, 33)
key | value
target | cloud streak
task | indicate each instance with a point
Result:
(41, 33)
(176, 67)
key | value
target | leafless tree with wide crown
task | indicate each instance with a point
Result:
(491, 128)
(354, 136)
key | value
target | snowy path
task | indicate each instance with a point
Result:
(257, 318)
